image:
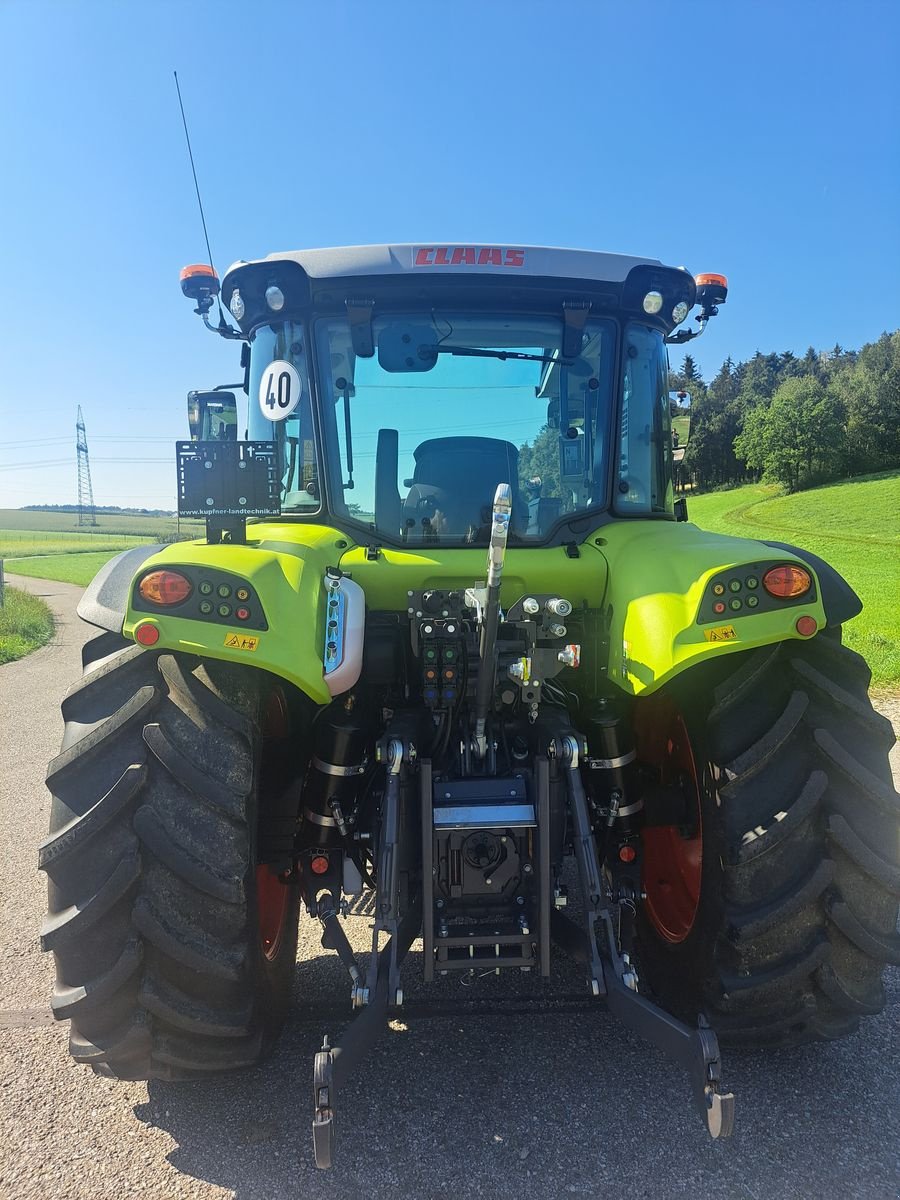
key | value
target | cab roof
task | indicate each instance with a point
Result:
(458, 257)
(461, 273)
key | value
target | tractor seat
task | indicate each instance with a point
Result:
(453, 484)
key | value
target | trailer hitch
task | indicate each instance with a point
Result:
(382, 991)
(335, 1064)
(613, 977)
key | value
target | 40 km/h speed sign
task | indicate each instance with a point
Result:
(279, 390)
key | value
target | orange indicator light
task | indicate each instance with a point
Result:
(165, 587)
(787, 582)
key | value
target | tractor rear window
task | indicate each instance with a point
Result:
(419, 435)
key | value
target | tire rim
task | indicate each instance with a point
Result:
(673, 859)
(272, 896)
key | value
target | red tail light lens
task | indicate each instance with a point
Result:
(165, 587)
(146, 634)
(785, 583)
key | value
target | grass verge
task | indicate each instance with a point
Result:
(25, 624)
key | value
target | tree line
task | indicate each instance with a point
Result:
(794, 421)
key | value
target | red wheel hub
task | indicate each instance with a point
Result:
(673, 854)
(272, 895)
(272, 903)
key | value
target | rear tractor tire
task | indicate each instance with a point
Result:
(773, 910)
(174, 948)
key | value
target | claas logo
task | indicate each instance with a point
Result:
(468, 256)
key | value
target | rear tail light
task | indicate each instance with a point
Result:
(146, 634)
(165, 587)
(786, 583)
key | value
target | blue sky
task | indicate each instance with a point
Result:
(756, 139)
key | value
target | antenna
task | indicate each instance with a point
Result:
(224, 329)
(86, 513)
(187, 138)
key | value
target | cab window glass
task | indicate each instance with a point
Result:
(418, 436)
(286, 342)
(644, 483)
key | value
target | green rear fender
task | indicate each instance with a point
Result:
(643, 580)
(658, 575)
(287, 572)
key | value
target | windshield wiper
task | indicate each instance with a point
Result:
(426, 352)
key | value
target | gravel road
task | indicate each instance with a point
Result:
(546, 1105)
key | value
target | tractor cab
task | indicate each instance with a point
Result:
(402, 384)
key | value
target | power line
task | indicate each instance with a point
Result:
(27, 466)
(36, 442)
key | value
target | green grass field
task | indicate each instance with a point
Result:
(21, 543)
(855, 526)
(46, 544)
(25, 623)
(108, 524)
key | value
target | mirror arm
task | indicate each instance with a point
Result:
(362, 335)
(223, 329)
(688, 335)
(575, 315)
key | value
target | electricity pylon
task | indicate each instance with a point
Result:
(86, 514)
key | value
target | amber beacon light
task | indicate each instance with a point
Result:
(199, 282)
(712, 289)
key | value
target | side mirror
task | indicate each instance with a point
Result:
(574, 412)
(212, 416)
(680, 410)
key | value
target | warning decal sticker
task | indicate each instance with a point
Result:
(722, 633)
(241, 641)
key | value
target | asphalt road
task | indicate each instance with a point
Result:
(562, 1103)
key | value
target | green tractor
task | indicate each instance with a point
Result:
(451, 641)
